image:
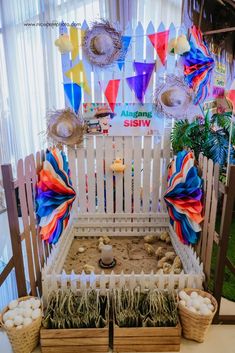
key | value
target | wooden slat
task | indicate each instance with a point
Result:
(100, 172)
(81, 179)
(212, 221)
(148, 348)
(128, 173)
(72, 341)
(118, 176)
(166, 160)
(207, 210)
(39, 164)
(14, 228)
(6, 271)
(147, 331)
(91, 174)
(31, 180)
(145, 340)
(75, 349)
(146, 173)
(25, 218)
(73, 333)
(137, 173)
(156, 173)
(73, 171)
(108, 173)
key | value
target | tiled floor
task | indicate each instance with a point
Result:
(220, 339)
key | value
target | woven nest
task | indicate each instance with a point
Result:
(173, 98)
(102, 43)
(65, 127)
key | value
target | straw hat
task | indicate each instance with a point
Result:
(65, 127)
(173, 98)
(102, 43)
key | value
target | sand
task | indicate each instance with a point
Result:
(129, 253)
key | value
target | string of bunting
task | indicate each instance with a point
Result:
(196, 58)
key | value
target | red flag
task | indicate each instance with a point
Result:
(160, 42)
(111, 93)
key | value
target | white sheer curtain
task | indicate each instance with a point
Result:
(30, 64)
(31, 76)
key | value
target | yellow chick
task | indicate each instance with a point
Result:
(64, 44)
(182, 45)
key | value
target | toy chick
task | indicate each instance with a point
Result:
(64, 44)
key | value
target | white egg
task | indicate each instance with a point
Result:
(191, 308)
(19, 327)
(9, 323)
(206, 300)
(205, 311)
(11, 314)
(22, 304)
(27, 312)
(189, 302)
(211, 307)
(183, 302)
(196, 303)
(5, 316)
(18, 311)
(18, 320)
(194, 295)
(182, 294)
(36, 303)
(36, 314)
(13, 304)
(27, 321)
(27, 304)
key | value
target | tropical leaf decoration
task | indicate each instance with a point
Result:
(207, 135)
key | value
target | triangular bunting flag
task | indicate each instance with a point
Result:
(74, 41)
(77, 75)
(160, 41)
(139, 85)
(143, 68)
(125, 45)
(111, 93)
(74, 93)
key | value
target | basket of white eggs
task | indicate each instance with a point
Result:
(196, 310)
(22, 321)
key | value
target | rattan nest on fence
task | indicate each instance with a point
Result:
(102, 43)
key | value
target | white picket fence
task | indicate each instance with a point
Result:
(55, 277)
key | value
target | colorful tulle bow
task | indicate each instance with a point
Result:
(54, 197)
(183, 198)
(198, 65)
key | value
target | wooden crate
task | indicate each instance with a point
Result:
(74, 340)
(147, 339)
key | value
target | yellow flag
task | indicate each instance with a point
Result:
(76, 38)
(77, 75)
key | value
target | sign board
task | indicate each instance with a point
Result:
(128, 119)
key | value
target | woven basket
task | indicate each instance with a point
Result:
(23, 340)
(195, 326)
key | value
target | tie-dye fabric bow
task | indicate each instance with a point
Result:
(198, 65)
(55, 196)
(183, 198)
